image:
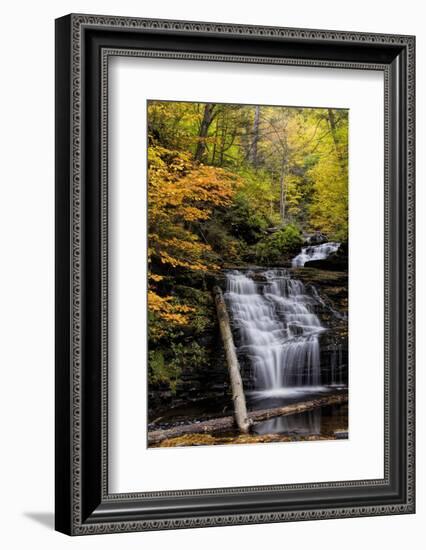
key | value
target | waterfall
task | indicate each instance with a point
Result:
(315, 252)
(276, 328)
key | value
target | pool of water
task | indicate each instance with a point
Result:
(324, 421)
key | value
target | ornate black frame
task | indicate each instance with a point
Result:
(83, 46)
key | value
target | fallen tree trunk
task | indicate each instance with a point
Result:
(301, 406)
(227, 422)
(238, 397)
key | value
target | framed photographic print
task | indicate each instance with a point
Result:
(234, 274)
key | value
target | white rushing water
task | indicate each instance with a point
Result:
(314, 252)
(277, 328)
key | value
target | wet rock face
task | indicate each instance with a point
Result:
(332, 287)
(316, 238)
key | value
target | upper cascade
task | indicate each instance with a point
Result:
(314, 252)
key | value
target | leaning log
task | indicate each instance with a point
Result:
(227, 422)
(238, 397)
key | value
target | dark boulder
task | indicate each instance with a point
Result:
(316, 238)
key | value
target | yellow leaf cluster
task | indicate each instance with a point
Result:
(167, 309)
(181, 194)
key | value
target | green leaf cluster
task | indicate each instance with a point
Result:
(286, 240)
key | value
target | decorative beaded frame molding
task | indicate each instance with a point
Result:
(83, 504)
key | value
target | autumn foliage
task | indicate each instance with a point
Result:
(181, 193)
(229, 186)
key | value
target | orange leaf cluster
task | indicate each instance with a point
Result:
(166, 309)
(181, 194)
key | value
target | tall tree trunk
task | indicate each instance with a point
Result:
(204, 130)
(333, 129)
(282, 189)
(253, 149)
(240, 408)
(216, 137)
(224, 131)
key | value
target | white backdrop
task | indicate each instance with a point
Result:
(132, 82)
(26, 299)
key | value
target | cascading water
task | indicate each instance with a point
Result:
(277, 328)
(277, 333)
(314, 252)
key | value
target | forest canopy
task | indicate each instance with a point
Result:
(232, 185)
